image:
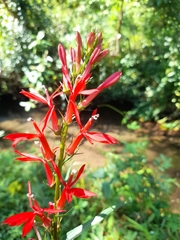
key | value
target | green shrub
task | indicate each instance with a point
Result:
(144, 190)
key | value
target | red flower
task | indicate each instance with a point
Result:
(90, 136)
(79, 86)
(69, 191)
(92, 93)
(18, 137)
(51, 114)
(46, 150)
(28, 218)
(26, 157)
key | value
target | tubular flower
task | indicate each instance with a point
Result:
(26, 157)
(68, 191)
(29, 218)
(46, 150)
(79, 86)
(90, 136)
(51, 114)
(18, 137)
(92, 93)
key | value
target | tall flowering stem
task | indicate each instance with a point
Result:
(74, 86)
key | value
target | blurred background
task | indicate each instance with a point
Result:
(143, 40)
(142, 36)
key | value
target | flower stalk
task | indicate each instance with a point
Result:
(74, 86)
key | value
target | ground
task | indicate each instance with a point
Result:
(109, 122)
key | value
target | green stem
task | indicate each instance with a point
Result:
(56, 224)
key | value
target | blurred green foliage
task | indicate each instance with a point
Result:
(127, 178)
(142, 36)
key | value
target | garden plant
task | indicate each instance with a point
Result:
(73, 88)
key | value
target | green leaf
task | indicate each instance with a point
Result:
(74, 233)
(106, 189)
(133, 126)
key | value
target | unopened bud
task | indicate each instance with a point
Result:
(99, 38)
(78, 39)
(90, 40)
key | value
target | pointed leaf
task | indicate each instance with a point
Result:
(74, 233)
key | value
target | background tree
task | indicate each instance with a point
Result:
(142, 37)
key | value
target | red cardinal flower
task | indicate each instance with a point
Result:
(92, 93)
(79, 86)
(46, 150)
(26, 157)
(51, 114)
(69, 191)
(90, 136)
(18, 137)
(29, 218)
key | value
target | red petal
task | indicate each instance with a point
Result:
(72, 147)
(34, 96)
(57, 171)
(81, 193)
(51, 114)
(76, 112)
(88, 92)
(78, 174)
(69, 111)
(112, 79)
(18, 219)
(62, 200)
(101, 137)
(89, 99)
(28, 157)
(49, 174)
(28, 226)
(18, 137)
(46, 148)
(54, 120)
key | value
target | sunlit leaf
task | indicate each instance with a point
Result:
(74, 233)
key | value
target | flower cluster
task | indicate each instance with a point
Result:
(74, 87)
